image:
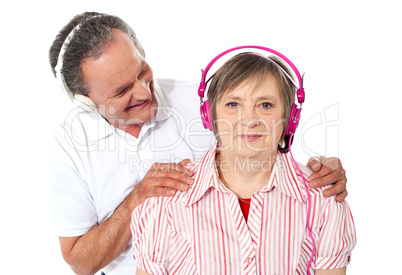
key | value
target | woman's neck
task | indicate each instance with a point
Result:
(244, 176)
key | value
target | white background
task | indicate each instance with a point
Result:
(349, 50)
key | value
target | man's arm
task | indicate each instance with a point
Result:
(90, 252)
(328, 171)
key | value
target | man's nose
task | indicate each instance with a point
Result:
(141, 90)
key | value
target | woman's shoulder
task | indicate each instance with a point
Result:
(155, 203)
(317, 192)
(303, 172)
(194, 165)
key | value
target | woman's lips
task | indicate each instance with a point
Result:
(250, 138)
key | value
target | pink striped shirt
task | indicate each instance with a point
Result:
(203, 231)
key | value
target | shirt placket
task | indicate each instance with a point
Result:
(139, 152)
(248, 249)
(254, 222)
(145, 155)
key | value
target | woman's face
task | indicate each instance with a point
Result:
(250, 121)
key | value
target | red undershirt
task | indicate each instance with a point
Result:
(245, 206)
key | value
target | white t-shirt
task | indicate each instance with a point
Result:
(95, 166)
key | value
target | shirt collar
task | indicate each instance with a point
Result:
(164, 110)
(97, 127)
(204, 177)
(284, 177)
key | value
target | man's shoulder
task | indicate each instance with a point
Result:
(169, 82)
(82, 123)
(173, 88)
(182, 97)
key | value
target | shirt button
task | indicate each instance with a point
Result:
(249, 260)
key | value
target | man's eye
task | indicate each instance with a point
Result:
(143, 71)
(120, 93)
(123, 91)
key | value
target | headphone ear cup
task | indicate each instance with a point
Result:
(293, 120)
(206, 115)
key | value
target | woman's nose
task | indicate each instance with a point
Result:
(250, 118)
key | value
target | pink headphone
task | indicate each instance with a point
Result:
(294, 112)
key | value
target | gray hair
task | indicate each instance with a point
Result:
(88, 41)
(245, 67)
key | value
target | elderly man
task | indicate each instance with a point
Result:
(127, 138)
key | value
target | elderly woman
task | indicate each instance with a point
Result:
(247, 210)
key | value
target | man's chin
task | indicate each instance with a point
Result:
(140, 120)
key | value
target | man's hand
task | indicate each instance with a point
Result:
(328, 171)
(163, 179)
(95, 249)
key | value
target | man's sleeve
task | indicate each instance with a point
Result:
(74, 212)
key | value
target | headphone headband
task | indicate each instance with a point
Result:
(300, 90)
(294, 111)
(60, 59)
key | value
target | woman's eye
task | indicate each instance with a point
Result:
(266, 105)
(232, 104)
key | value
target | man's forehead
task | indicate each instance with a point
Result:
(115, 67)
